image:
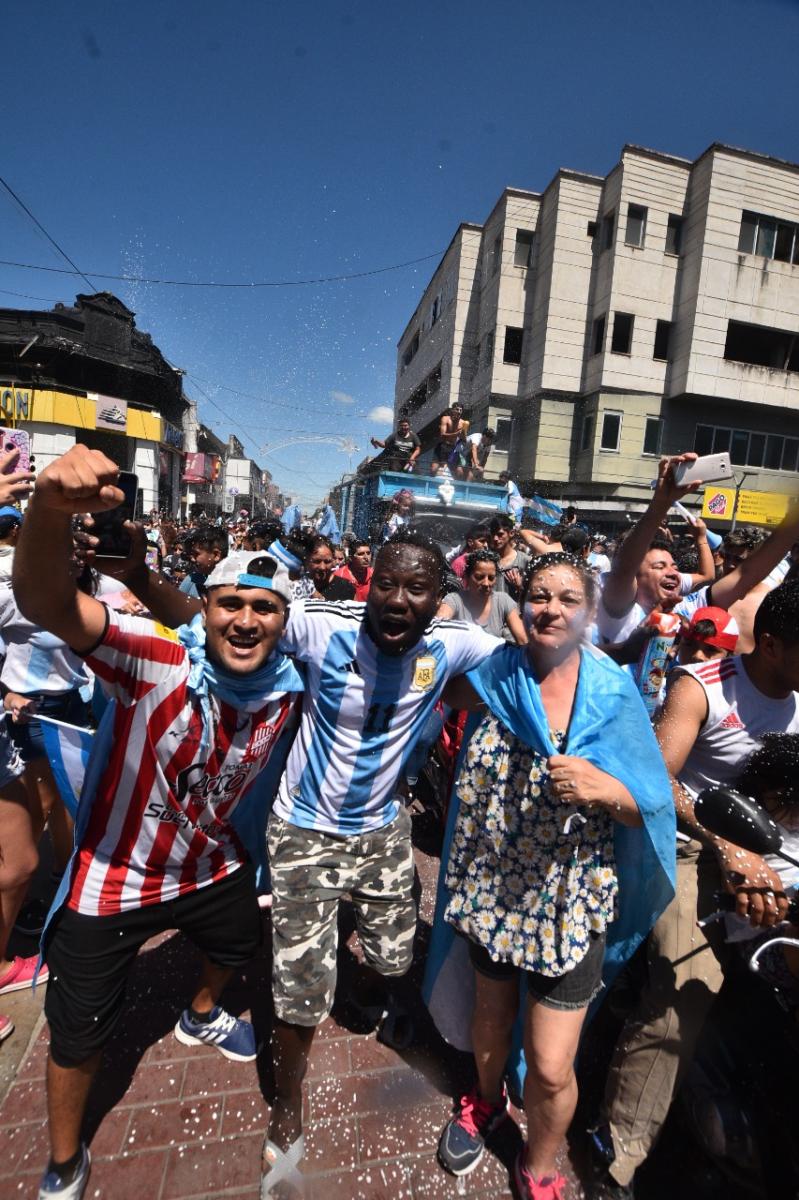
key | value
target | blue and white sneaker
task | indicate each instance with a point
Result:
(231, 1037)
(51, 1184)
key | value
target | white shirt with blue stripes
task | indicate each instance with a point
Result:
(362, 713)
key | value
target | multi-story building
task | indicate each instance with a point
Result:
(604, 321)
(85, 373)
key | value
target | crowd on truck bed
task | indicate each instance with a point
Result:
(259, 697)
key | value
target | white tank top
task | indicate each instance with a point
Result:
(738, 717)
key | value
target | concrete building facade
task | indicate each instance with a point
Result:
(607, 320)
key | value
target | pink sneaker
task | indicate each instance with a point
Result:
(6, 1028)
(20, 974)
(549, 1187)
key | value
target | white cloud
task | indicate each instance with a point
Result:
(382, 415)
(342, 397)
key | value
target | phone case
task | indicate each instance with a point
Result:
(710, 469)
(17, 439)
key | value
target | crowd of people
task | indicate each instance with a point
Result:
(258, 696)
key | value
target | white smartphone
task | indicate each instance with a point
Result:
(711, 468)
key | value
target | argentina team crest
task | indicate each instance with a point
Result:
(424, 673)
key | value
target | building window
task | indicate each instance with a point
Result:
(611, 431)
(761, 346)
(769, 237)
(410, 350)
(748, 448)
(598, 336)
(496, 255)
(435, 311)
(587, 432)
(608, 229)
(514, 339)
(674, 234)
(662, 340)
(653, 435)
(592, 229)
(636, 225)
(622, 340)
(488, 348)
(503, 434)
(523, 250)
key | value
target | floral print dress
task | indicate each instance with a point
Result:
(525, 882)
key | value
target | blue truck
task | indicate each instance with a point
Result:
(444, 508)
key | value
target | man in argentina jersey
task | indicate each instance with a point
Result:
(373, 673)
(194, 722)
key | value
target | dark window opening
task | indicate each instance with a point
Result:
(721, 441)
(789, 454)
(592, 229)
(523, 251)
(739, 447)
(757, 449)
(773, 459)
(748, 233)
(662, 340)
(761, 346)
(514, 339)
(497, 254)
(703, 439)
(653, 433)
(636, 225)
(622, 340)
(768, 237)
(608, 229)
(598, 338)
(587, 432)
(674, 234)
(410, 350)
(611, 431)
(504, 428)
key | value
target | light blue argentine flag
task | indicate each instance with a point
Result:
(68, 749)
(545, 510)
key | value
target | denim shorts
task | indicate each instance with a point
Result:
(63, 706)
(575, 989)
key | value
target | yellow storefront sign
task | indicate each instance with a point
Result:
(50, 407)
(754, 508)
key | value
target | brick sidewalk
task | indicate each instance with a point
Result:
(169, 1122)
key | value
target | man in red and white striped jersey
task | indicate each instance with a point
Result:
(197, 717)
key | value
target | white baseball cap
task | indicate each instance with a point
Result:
(237, 571)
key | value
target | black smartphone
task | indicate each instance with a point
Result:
(113, 540)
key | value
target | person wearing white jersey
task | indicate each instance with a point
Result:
(374, 673)
(197, 720)
(716, 715)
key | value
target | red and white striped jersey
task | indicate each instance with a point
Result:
(159, 822)
(738, 717)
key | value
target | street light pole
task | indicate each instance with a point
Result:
(738, 485)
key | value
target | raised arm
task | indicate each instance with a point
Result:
(80, 481)
(620, 588)
(758, 564)
(707, 567)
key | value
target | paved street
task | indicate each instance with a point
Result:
(171, 1122)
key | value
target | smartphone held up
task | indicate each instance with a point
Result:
(113, 539)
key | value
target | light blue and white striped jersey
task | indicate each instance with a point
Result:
(36, 662)
(362, 712)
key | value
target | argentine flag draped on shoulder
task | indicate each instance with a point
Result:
(609, 727)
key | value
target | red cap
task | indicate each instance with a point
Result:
(726, 635)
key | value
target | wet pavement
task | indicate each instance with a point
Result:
(170, 1122)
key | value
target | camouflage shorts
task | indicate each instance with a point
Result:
(311, 871)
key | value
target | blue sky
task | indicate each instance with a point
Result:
(189, 140)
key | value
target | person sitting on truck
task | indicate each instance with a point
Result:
(480, 604)
(402, 448)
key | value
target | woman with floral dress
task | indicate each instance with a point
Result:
(531, 879)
